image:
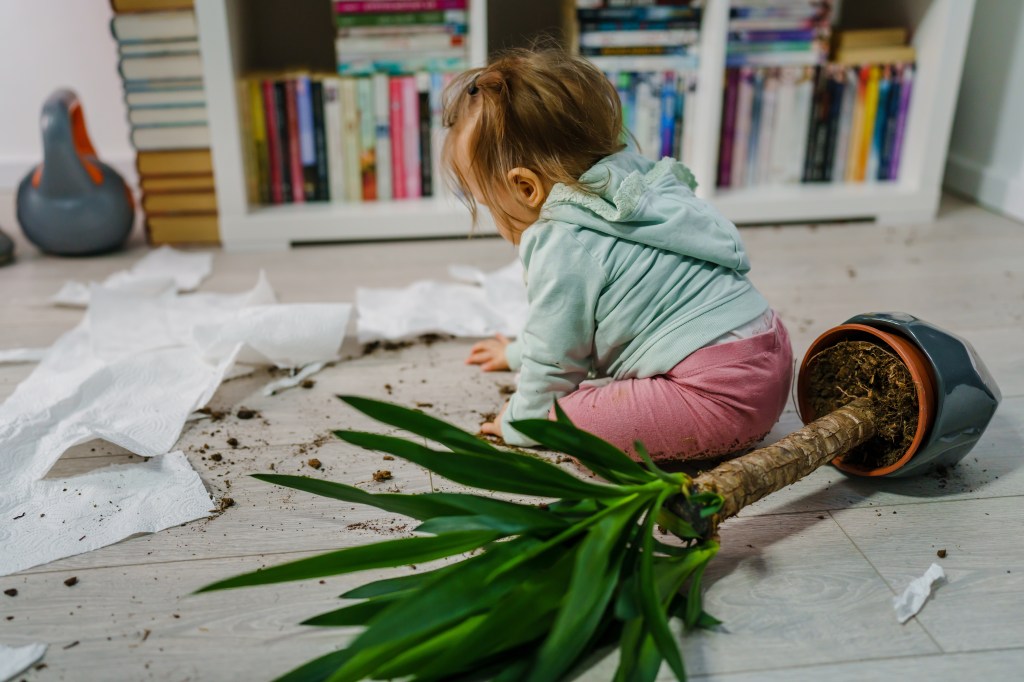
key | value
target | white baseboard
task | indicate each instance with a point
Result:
(992, 188)
(12, 170)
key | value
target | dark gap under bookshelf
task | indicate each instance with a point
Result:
(282, 36)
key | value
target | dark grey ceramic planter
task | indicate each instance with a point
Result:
(966, 394)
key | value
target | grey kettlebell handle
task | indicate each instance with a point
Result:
(67, 168)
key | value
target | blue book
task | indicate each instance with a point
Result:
(881, 117)
(755, 127)
(892, 116)
(656, 13)
(307, 136)
(669, 95)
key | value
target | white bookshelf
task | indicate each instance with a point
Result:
(939, 28)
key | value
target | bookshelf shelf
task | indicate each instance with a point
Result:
(939, 30)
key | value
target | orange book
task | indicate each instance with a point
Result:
(856, 125)
(180, 202)
(868, 123)
(174, 162)
(183, 229)
(149, 5)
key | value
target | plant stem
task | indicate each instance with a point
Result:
(747, 479)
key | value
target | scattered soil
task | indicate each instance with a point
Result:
(941, 554)
(854, 369)
(71, 582)
(506, 390)
(378, 527)
(73, 644)
(315, 463)
(216, 457)
(11, 592)
(246, 413)
(424, 405)
(425, 339)
(308, 383)
(226, 502)
(382, 475)
(233, 442)
(389, 388)
(215, 415)
(388, 457)
(489, 416)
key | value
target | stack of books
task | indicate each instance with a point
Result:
(161, 68)
(648, 50)
(371, 132)
(778, 32)
(843, 121)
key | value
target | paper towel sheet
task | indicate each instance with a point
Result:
(913, 598)
(14, 660)
(131, 373)
(491, 303)
(22, 355)
(151, 273)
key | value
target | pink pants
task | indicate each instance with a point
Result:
(718, 400)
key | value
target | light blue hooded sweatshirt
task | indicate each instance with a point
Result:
(624, 283)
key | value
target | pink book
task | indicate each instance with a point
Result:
(389, 6)
(397, 139)
(294, 154)
(411, 136)
(274, 164)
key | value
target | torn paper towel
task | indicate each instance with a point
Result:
(19, 355)
(152, 273)
(131, 373)
(913, 598)
(492, 303)
(293, 379)
(15, 660)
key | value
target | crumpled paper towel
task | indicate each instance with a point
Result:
(131, 373)
(19, 355)
(15, 660)
(913, 598)
(490, 303)
(151, 273)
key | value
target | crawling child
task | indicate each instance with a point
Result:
(630, 277)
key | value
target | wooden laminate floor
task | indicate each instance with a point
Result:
(805, 578)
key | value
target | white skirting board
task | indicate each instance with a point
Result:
(993, 188)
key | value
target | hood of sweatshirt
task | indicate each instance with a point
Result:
(652, 203)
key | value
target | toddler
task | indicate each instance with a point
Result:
(629, 276)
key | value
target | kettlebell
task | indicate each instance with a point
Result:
(73, 204)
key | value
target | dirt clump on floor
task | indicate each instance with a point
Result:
(247, 413)
(855, 369)
(382, 475)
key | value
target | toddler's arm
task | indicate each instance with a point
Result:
(490, 354)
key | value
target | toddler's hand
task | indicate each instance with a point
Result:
(494, 428)
(489, 354)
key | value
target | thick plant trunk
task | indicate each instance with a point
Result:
(747, 479)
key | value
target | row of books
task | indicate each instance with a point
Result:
(657, 108)
(161, 70)
(401, 36)
(778, 33)
(663, 29)
(342, 138)
(832, 123)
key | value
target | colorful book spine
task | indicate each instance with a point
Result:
(728, 129)
(836, 85)
(906, 86)
(878, 130)
(801, 131)
(654, 50)
(782, 144)
(389, 20)
(367, 139)
(295, 170)
(410, 137)
(307, 137)
(753, 144)
(744, 103)
(767, 129)
(845, 132)
(274, 150)
(323, 179)
(284, 133)
(392, 6)
(397, 139)
(382, 131)
(669, 93)
(889, 133)
(426, 155)
(333, 127)
(868, 124)
(351, 144)
(639, 14)
(260, 147)
(686, 36)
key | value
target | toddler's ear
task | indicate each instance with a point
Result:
(528, 187)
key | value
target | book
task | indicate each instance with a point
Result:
(798, 35)
(384, 32)
(815, 155)
(888, 135)
(401, 19)
(183, 183)
(167, 116)
(410, 135)
(180, 202)
(354, 48)
(160, 48)
(426, 154)
(836, 86)
(744, 102)
(590, 26)
(166, 98)
(390, 6)
(688, 130)
(804, 101)
(157, 68)
(655, 13)
(284, 135)
(258, 133)
(897, 54)
(132, 87)
(397, 128)
(857, 124)
(766, 132)
(872, 37)
(367, 138)
(667, 133)
(688, 36)
(382, 131)
(728, 128)
(333, 128)
(351, 140)
(906, 86)
(845, 130)
(878, 131)
(149, 5)
(276, 170)
(177, 25)
(868, 125)
(175, 162)
(635, 63)
(294, 148)
(307, 137)
(613, 51)
(782, 143)
(797, 58)
(754, 137)
(171, 137)
(178, 229)
(323, 180)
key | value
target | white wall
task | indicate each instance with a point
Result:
(986, 151)
(47, 44)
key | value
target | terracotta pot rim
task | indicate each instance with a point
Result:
(916, 363)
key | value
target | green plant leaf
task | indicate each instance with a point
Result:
(402, 583)
(694, 601)
(601, 457)
(505, 526)
(594, 578)
(380, 555)
(651, 603)
(705, 621)
(676, 525)
(510, 472)
(317, 670)
(354, 614)
(641, 450)
(421, 424)
(423, 506)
